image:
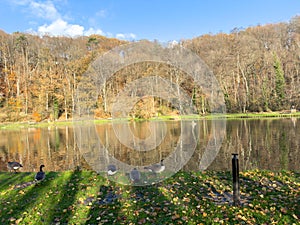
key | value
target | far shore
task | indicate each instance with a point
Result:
(250, 115)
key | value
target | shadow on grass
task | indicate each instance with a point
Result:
(107, 203)
(119, 204)
(67, 198)
(269, 189)
(297, 200)
(17, 202)
(6, 182)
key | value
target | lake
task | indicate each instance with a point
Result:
(272, 144)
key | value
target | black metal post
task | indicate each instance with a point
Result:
(235, 179)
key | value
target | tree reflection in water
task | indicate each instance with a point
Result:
(272, 144)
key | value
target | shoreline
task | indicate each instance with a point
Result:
(252, 115)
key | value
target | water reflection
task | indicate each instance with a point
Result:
(261, 143)
(131, 145)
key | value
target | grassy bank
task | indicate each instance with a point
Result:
(17, 125)
(83, 197)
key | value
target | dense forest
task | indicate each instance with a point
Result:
(258, 69)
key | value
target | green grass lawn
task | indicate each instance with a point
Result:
(83, 197)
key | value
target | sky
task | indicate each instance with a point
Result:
(162, 20)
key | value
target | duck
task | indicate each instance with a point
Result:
(135, 175)
(111, 169)
(156, 168)
(14, 166)
(40, 175)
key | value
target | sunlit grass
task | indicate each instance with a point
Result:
(84, 197)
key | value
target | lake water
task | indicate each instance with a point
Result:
(272, 144)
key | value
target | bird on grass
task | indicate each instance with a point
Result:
(111, 169)
(135, 175)
(156, 168)
(40, 175)
(14, 166)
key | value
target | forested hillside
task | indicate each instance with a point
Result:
(258, 69)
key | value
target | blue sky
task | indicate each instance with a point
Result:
(163, 20)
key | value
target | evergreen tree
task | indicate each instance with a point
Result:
(279, 81)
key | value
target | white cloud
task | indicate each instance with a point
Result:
(93, 31)
(61, 28)
(126, 36)
(172, 44)
(121, 36)
(44, 10)
(58, 24)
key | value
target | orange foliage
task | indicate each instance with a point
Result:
(36, 116)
